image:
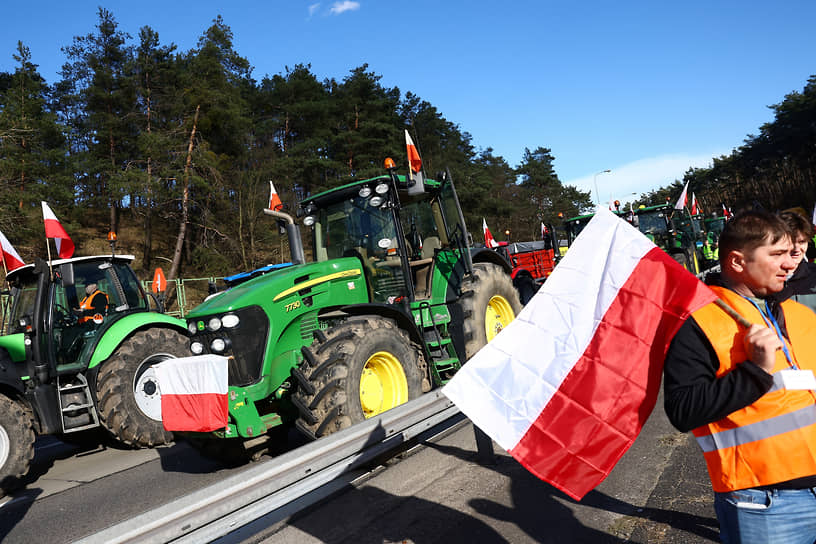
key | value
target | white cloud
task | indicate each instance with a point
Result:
(342, 7)
(642, 175)
(313, 8)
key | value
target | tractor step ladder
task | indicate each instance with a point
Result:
(76, 401)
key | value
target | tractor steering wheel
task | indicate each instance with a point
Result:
(64, 316)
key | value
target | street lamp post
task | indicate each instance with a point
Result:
(595, 181)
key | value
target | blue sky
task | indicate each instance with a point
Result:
(644, 89)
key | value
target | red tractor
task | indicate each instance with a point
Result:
(532, 262)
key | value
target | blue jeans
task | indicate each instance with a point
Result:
(783, 516)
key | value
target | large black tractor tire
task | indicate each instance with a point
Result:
(128, 394)
(16, 443)
(489, 302)
(356, 370)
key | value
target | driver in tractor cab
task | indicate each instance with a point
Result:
(94, 306)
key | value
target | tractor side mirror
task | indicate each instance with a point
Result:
(66, 274)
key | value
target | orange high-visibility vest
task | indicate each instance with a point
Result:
(86, 305)
(772, 440)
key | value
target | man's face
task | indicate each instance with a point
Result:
(765, 269)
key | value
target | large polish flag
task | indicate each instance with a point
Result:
(567, 386)
(11, 258)
(55, 230)
(682, 202)
(193, 393)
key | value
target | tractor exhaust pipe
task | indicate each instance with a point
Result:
(293, 233)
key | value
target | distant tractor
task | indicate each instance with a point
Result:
(393, 305)
(67, 366)
(532, 262)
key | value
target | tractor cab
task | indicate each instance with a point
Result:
(396, 237)
(57, 299)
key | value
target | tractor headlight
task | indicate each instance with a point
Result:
(214, 324)
(381, 188)
(218, 345)
(375, 201)
(309, 220)
(365, 191)
(197, 348)
(230, 321)
(192, 327)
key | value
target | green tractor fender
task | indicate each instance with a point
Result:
(126, 326)
(14, 344)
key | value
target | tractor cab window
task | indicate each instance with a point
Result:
(23, 298)
(100, 291)
(421, 230)
(363, 227)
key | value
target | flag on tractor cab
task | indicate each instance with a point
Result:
(414, 160)
(694, 209)
(727, 213)
(566, 392)
(682, 202)
(194, 393)
(544, 231)
(55, 230)
(11, 259)
(275, 203)
(488, 238)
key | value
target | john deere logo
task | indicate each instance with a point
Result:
(200, 325)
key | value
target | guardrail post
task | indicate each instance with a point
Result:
(484, 447)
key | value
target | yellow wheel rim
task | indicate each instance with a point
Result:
(383, 384)
(498, 315)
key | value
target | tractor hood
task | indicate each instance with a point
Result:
(290, 285)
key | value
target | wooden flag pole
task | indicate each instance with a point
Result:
(733, 313)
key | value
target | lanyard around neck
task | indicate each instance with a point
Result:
(770, 322)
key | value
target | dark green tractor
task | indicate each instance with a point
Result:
(392, 305)
(62, 372)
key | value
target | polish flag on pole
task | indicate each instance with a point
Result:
(275, 203)
(489, 240)
(414, 160)
(567, 392)
(193, 393)
(727, 213)
(11, 259)
(694, 210)
(683, 200)
(54, 229)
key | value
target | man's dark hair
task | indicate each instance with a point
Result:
(748, 230)
(797, 224)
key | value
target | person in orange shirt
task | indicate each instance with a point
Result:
(94, 306)
(747, 392)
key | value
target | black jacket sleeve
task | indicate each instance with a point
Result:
(693, 395)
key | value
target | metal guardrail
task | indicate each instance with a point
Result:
(215, 511)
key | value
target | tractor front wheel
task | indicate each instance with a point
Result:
(16, 443)
(128, 393)
(489, 303)
(357, 370)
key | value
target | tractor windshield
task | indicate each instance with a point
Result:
(364, 227)
(23, 298)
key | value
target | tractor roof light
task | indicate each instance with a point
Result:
(365, 191)
(381, 188)
(389, 163)
(375, 201)
(309, 220)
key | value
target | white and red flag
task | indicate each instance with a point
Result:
(682, 202)
(489, 240)
(694, 209)
(194, 393)
(275, 203)
(727, 213)
(414, 160)
(55, 230)
(568, 385)
(11, 259)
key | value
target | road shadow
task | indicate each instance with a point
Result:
(14, 509)
(538, 507)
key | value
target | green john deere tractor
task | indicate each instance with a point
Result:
(63, 373)
(393, 304)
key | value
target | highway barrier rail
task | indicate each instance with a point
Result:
(278, 487)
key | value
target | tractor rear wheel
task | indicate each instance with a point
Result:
(357, 370)
(128, 393)
(489, 303)
(16, 443)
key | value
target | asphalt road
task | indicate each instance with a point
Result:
(442, 493)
